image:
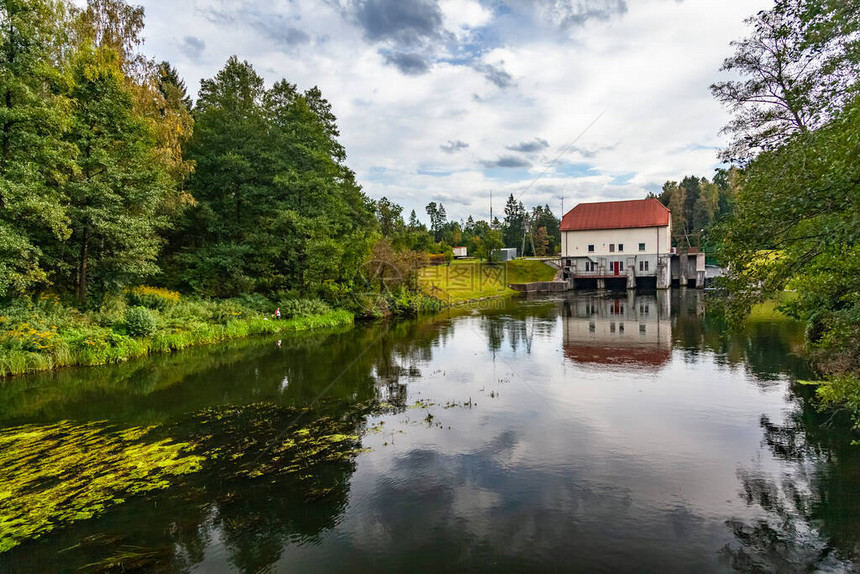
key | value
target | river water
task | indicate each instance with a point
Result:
(580, 432)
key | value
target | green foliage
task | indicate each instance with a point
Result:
(43, 334)
(841, 391)
(795, 223)
(515, 222)
(140, 322)
(276, 208)
(796, 71)
(696, 205)
(118, 184)
(35, 162)
(303, 308)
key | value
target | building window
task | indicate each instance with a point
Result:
(612, 248)
(621, 327)
(612, 327)
(621, 266)
(591, 248)
(641, 247)
(646, 266)
(642, 328)
(620, 247)
(591, 326)
(641, 266)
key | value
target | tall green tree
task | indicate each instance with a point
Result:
(118, 184)
(276, 208)
(438, 219)
(544, 218)
(390, 217)
(515, 221)
(35, 161)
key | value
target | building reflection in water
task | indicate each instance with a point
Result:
(617, 329)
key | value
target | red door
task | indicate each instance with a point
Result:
(617, 267)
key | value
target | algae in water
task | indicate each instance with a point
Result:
(51, 476)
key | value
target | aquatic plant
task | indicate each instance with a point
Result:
(51, 476)
(266, 440)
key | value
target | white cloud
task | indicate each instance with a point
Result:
(462, 15)
(647, 66)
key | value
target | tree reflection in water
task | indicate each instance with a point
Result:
(810, 512)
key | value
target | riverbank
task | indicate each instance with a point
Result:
(44, 334)
(466, 280)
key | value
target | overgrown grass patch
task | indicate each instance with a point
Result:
(471, 280)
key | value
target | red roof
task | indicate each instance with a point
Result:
(641, 356)
(616, 215)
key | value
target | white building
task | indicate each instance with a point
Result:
(623, 243)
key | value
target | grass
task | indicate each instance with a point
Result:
(43, 334)
(471, 280)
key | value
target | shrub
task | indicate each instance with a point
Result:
(303, 308)
(152, 297)
(227, 311)
(139, 322)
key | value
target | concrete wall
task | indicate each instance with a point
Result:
(575, 243)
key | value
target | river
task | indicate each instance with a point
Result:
(580, 432)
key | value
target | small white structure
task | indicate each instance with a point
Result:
(505, 254)
(460, 252)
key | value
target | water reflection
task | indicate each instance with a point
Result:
(575, 432)
(612, 330)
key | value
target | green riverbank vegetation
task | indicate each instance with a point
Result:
(796, 143)
(44, 334)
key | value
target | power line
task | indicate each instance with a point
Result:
(563, 151)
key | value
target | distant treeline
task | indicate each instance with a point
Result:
(532, 233)
(696, 204)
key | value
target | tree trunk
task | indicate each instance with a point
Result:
(82, 267)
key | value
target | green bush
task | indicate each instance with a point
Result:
(303, 308)
(139, 322)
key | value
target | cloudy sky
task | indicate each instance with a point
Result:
(448, 100)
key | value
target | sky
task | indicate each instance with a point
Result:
(452, 100)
